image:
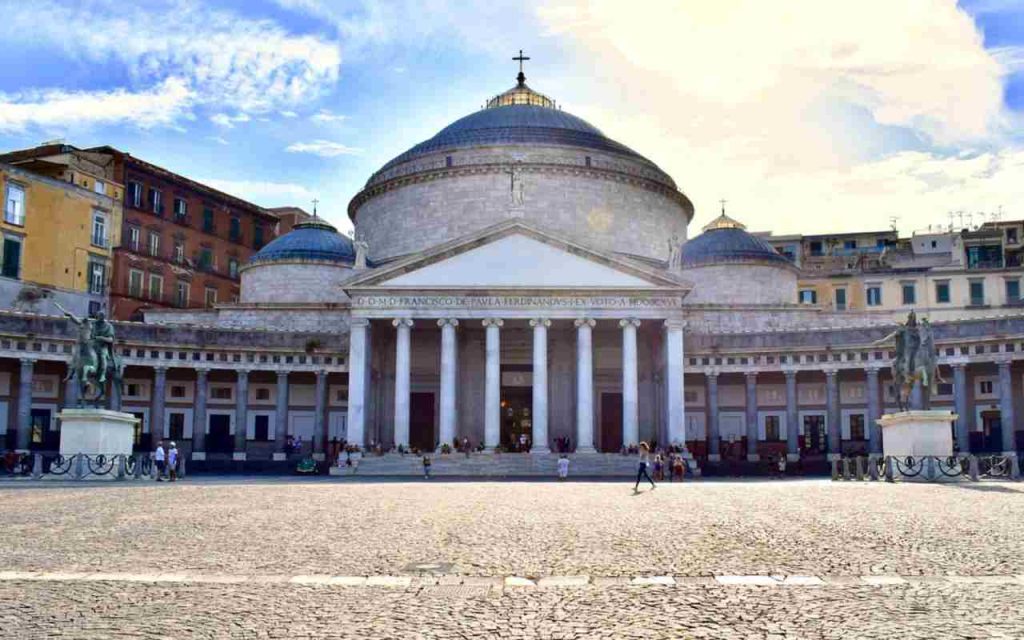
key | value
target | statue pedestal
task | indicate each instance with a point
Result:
(925, 436)
(95, 431)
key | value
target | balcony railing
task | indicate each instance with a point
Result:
(100, 241)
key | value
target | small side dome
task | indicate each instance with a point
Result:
(313, 240)
(726, 241)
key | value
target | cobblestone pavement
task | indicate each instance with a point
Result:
(815, 528)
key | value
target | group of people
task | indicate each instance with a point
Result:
(166, 459)
(673, 462)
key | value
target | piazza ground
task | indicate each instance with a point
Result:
(952, 555)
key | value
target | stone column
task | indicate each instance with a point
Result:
(156, 410)
(675, 409)
(1006, 408)
(752, 439)
(281, 413)
(630, 400)
(24, 436)
(832, 409)
(540, 385)
(358, 366)
(874, 412)
(792, 418)
(320, 421)
(963, 436)
(714, 451)
(584, 385)
(241, 414)
(199, 416)
(492, 384)
(448, 380)
(403, 340)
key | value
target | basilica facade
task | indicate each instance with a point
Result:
(524, 283)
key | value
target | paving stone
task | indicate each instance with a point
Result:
(564, 581)
(516, 581)
(388, 581)
(883, 580)
(756, 581)
(803, 581)
(665, 581)
(346, 581)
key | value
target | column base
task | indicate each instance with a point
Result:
(238, 457)
(792, 457)
(714, 457)
(280, 456)
(199, 455)
(540, 450)
(753, 457)
(319, 457)
(586, 450)
(834, 456)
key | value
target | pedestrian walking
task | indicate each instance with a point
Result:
(426, 467)
(563, 467)
(659, 468)
(160, 457)
(782, 465)
(642, 464)
(679, 468)
(357, 455)
(172, 462)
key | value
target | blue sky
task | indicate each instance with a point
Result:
(807, 117)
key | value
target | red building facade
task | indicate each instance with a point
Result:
(183, 242)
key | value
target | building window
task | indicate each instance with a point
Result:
(977, 288)
(181, 294)
(156, 287)
(208, 220)
(235, 229)
(261, 428)
(985, 387)
(97, 278)
(816, 248)
(857, 427)
(942, 292)
(99, 230)
(12, 258)
(155, 204)
(233, 267)
(211, 296)
(133, 238)
(808, 296)
(14, 204)
(100, 187)
(909, 293)
(135, 283)
(135, 194)
(176, 425)
(771, 428)
(154, 243)
(206, 259)
(180, 209)
(849, 245)
(840, 299)
(1012, 291)
(874, 295)
(178, 391)
(220, 393)
(179, 251)
(257, 237)
(1011, 235)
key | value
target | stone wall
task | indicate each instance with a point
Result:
(294, 282)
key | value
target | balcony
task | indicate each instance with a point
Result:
(102, 242)
(183, 219)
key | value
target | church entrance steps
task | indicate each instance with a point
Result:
(494, 465)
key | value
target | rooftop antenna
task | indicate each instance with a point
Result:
(960, 214)
(892, 222)
(521, 78)
(951, 215)
(315, 202)
(722, 202)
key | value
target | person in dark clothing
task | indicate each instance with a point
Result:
(642, 464)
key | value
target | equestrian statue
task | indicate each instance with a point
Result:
(916, 362)
(94, 362)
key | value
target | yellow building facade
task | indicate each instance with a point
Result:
(58, 238)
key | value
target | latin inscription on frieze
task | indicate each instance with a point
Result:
(516, 302)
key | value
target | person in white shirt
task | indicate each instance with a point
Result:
(563, 467)
(160, 457)
(172, 462)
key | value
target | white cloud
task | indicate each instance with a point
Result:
(289, 114)
(228, 122)
(264, 193)
(225, 60)
(56, 109)
(217, 139)
(323, 148)
(325, 116)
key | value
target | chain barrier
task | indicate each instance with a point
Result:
(931, 468)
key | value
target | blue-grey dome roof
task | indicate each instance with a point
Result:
(516, 124)
(310, 240)
(725, 241)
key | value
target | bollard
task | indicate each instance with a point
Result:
(1014, 466)
(972, 462)
(889, 476)
(121, 467)
(138, 467)
(79, 462)
(860, 468)
(846, 469)
(37, 466)
(873, 468)
(181, 467)
(835, 469)
(930, 470)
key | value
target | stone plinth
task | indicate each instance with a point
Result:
(917, 433)
(95, 431)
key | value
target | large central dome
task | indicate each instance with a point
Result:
(520, 156)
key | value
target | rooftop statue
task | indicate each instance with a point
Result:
(916, 361)
(94, 362)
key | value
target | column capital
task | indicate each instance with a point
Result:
(790, 373)
(750, 375)
(675, 323)
(322, 373)
(1004, 363)
(626, 322)
(711, 374)
(830, 373)
(453, 322)
(243, 374)
(540, 322)
(283, 374)
(160, 368)
(359, 322)
(872, 370)
(202, 372)
(588, 322)
(402, 322)
(27, 363)
(492, 322)
(959, 364)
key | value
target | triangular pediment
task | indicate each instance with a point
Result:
(513, 256)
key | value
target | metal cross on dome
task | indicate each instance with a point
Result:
(520, 58)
